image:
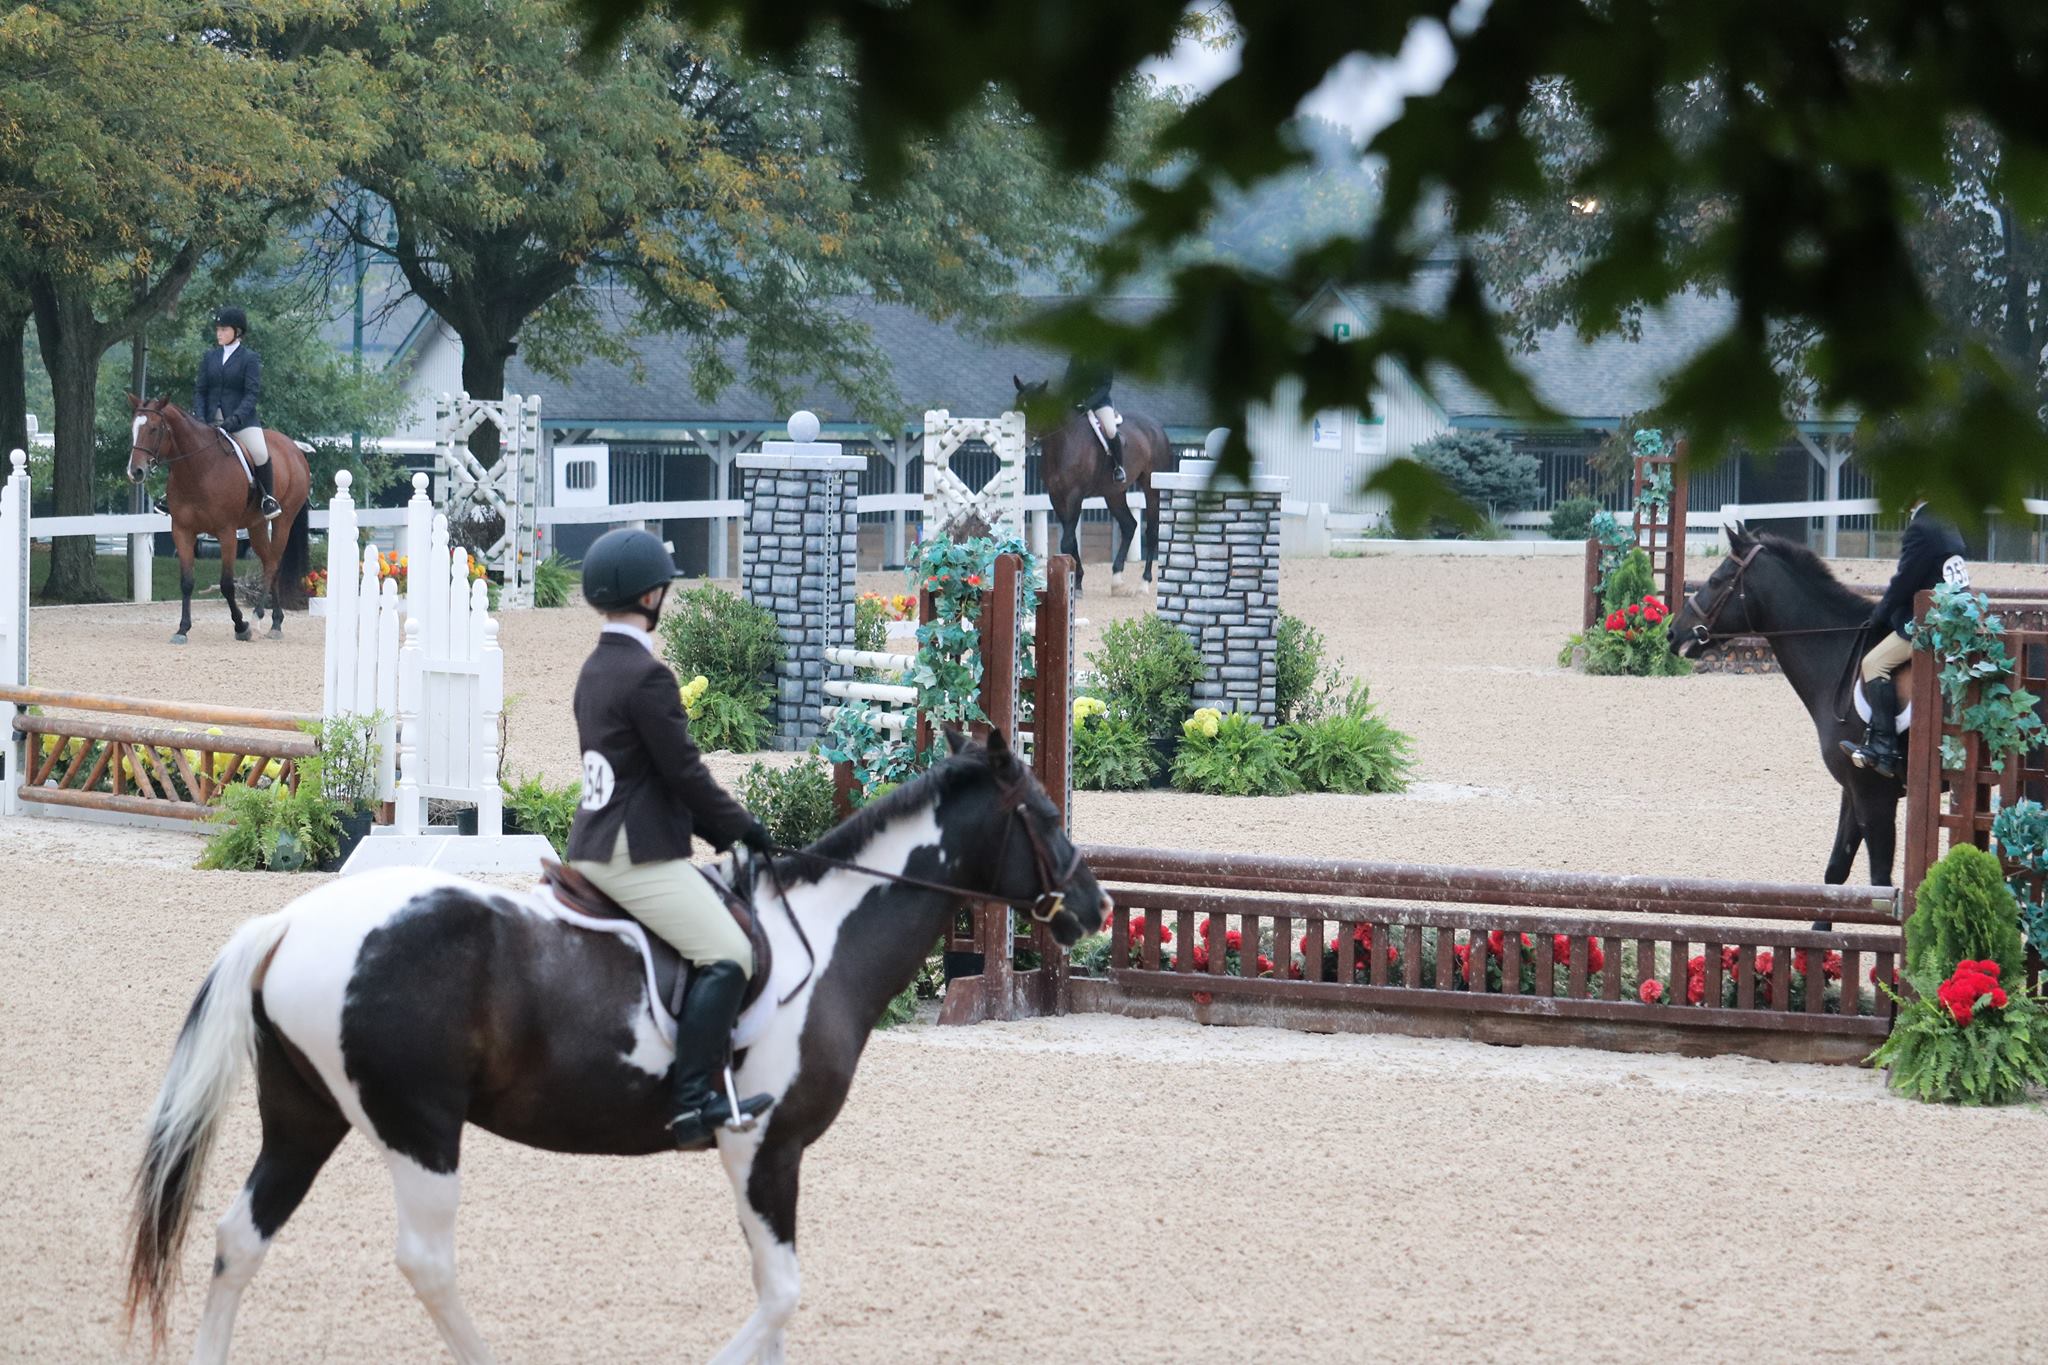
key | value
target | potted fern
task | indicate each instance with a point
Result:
(346, 770)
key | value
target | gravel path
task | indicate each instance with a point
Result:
(1095, 1188)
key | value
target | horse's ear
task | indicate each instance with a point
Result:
(134, 403)
(1014, 379)
(1001, 758)
(1739, 538)
(956, 739)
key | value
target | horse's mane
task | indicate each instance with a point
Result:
(845, 840)
(1815, 573)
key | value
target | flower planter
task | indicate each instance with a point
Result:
(355, 827)
(1164, 747)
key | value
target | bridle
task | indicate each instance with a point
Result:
(1043, 907)
(155, 454)
(1706, 632)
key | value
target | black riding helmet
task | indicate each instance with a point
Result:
(232, 317)
(623, 564)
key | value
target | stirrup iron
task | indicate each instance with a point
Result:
(736, 1121)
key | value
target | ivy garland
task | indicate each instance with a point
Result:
(947, 672)
(2021, 830)
(1967, 642)
(1615, 540)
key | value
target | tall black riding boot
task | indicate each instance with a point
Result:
(1116, 457)
(1879, 752)
(703, 1044)
(266, 485)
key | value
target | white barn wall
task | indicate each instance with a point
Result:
(1281, 437)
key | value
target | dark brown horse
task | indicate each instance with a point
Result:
(1075, 469)
(209, 492)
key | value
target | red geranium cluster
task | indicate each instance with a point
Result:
(1830, 965)
(1361, 957)
(1233, 946)
(1561, 953)
(1644, 615)
(1968, 987)
(1696, 970)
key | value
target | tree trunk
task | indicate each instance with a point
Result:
(71, 343)
(483, 376)
(13, 381)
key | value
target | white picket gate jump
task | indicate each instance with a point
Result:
(13, 607)
(428, 660)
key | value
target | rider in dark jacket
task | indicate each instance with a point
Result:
(1931, 552)
(1087, 386)
(645, 791)
(230, 378)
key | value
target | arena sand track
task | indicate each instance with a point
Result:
(1094, 1188)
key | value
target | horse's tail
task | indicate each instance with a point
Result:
(291, 569)
(206, 1068)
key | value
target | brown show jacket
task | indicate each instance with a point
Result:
(629, 713)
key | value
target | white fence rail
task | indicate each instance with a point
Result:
(899, 698)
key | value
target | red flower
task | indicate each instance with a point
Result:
(1138, 930)
(1615, 621)
(1970, 985)
(1764, 962)
(1650, 992)
(1201, 956)
(1634, 610)
(1232, 940)
(1830, 965)
(974, 580)
(1265, 965)
(1463, 952)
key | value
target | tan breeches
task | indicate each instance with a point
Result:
(1886, 657)
(251, 440)
(673, 900)
(1110, 419)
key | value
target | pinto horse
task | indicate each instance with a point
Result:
(1784, 592)
(1075, 469)
(407, 1003)
(209, 491)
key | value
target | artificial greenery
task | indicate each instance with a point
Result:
(878, 757)
(552, 580)
(538, 808)
(1967, 642)
(1111, 753)
(1147, 670)
(735, 644)
(1572, 518)
(1632, 580)
(273, 828)
(947, 671)
(723, 720)
(1352, 749)
(1617, 542)
(2021, 830)
(1964, 912)
(1632, 641)
(795, 802)
(1989, 1056)
(1233, 755)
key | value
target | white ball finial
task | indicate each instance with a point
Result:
(18, 458)
(419, 483)
(803, 426)
(342, 480)
(1212, 447)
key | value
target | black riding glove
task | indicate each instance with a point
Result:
(755, 837)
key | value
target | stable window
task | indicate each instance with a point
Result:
(580, 475)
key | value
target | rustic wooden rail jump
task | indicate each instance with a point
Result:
(143, 756)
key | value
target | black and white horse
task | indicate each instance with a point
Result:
(405, 1004)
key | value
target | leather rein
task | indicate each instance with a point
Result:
(155, 454)
(1706, 632)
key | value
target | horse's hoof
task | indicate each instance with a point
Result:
(277, 632)
(179, 638)
(1116, 583)
(245, 635)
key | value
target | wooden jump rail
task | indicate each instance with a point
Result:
(149, 757)
(1424, 912)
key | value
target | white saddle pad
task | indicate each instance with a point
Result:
(1904, 722)
(784, 972)
(248, 474)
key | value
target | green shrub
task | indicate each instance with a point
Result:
(1301, 687)
(1112, 754)
(1572, 519)
(552, 580)
(1484, 470)
(1149, 671)
(346, 768)
(870, 623)
(1964, 913)
(1991, 1056)
(1233, 755)
(538, 808)
(1352, 750)
(795, 803)
(1632, 580)
(272, 828)
(721, 720)
(734, 644)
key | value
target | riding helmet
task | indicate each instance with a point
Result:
(623, 564)
(232, 316)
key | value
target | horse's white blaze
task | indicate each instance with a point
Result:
(238, 1251)
(309, 975)
(823, 907)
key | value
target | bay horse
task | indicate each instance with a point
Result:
(1075, 469)
(407, 1003)
(209, 491)
(1784, 592)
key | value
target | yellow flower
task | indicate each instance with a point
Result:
(1203, 723)
(1085, 707)
(693, 692)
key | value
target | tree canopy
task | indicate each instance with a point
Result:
(1816, 136)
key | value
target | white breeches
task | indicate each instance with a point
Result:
(250, 439)
(1109, 418)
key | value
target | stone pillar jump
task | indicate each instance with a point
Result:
(1219, 582)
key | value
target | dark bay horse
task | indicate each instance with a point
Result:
(406, 1004)
(208, 492)
(1784, 592)
(1075, 469)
